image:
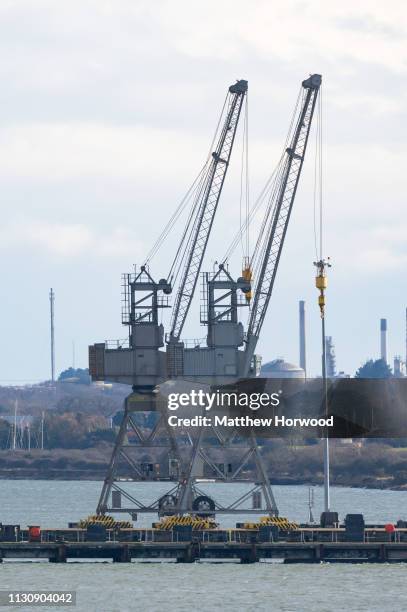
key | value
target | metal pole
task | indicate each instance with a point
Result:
(42, 431)
(321, 283)
(327, 501)
(15, 425)
(51, 303)
(303, 357)
(310, 505)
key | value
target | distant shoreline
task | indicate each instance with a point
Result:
(85, 475)
(373, 466)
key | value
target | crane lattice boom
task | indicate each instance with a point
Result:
(206, 210)
(290, 176)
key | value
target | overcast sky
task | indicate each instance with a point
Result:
(107, 112)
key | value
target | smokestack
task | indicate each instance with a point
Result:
(330, 357)
(383, 339)
(303, 357)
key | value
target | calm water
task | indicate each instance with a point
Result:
(105, 587)
(289, 588)
(55, 503)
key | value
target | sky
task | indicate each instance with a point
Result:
(107, 112)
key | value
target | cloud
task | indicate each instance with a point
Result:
(67, 240)
(106, 118)
(372, 250)
(385, 249)
(54, 152)
(375, 105)
(287, 30)
(380, 259)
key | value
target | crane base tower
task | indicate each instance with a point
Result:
(193, 459)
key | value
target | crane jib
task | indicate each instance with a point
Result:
(206, 210)
(286, 192)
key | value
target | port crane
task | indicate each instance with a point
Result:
(142, 365)
(224, 333)
(139, 361)
(229, 354)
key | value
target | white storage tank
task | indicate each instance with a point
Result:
(281, 369)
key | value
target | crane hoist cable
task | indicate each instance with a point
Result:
(317, 199)
(187, 235)
(278, 215)
(175, 216)
(267, 222)
(248, 220)
(186, 241)
(182, 249)
(266, 193)
(321, 280)
(319, 177)
(196, 239)
(247, 177)
(244, 184)
(188, 195)
(321, 283)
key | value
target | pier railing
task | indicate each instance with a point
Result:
(303, 535)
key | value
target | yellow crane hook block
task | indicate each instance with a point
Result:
(247, 275)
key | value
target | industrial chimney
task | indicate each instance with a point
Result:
(383, 339)
(330, 357)
(398, 367)
(303, 358)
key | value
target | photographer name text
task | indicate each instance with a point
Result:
(248, 421)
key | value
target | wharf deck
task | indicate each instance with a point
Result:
(199, 551)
